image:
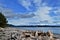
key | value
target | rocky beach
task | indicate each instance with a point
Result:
(19, 34)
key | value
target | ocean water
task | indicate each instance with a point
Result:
(44, 29)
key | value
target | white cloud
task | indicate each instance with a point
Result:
(28, 3)
(57, 11)
(37, 2)
(42, 10)
(10, 14)
(7, 12)
(41, 14)
(56, 18)
(25, 3)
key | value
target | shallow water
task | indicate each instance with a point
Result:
(45, 29)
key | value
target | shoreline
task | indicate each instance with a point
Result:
(45, 29)
(19, 34)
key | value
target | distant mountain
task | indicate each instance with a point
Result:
(10, 25)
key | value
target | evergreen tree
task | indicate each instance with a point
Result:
(3, 20)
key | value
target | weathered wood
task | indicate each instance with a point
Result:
(15, 34)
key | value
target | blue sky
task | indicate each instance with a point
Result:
(31, 12)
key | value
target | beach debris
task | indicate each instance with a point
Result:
(15, 34)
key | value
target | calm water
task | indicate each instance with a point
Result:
(45, 29)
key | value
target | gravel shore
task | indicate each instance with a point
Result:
(19, 34)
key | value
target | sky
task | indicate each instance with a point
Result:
(31, 12)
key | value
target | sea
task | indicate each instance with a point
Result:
(55, 30)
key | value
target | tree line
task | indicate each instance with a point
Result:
(3, 20)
